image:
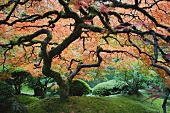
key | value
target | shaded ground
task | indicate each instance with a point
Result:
(92, 104)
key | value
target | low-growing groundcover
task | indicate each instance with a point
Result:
(92, 104)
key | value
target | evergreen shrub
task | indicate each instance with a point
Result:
(79, 88)
(6, 91)
(109, 88)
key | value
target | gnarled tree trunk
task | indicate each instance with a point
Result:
(64, 92)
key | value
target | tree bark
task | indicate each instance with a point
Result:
(64, 91)
(17, 89)
(165, 100)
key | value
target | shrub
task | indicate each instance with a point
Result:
(18, 78)
(39, 84)
(109, 88)
(5, 71)
(6, 91)
(35, 83)
(138, 76)
(79, 88)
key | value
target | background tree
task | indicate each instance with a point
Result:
(68, 36)
(40, 84)
(17, 79)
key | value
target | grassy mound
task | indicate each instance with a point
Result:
(75, 104)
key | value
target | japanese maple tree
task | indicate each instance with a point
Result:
(59, 37)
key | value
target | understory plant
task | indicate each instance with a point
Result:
(6, 91)
(138, 76)
(79, 88)
(109, 88)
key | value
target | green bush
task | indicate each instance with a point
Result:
(40, 84)
(18, 78)
(79, 88)
(37, 85)
(138, 77)
(109, 88)
(6, 91)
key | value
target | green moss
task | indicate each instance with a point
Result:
(111, 104)
(27, 100)
(27, 90)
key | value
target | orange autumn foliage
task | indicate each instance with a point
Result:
(27, 56)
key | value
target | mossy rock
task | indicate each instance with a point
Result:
(109, 88)
(79, 88)
(8, 103)
(13, 106)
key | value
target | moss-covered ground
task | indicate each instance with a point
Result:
(92, 104)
